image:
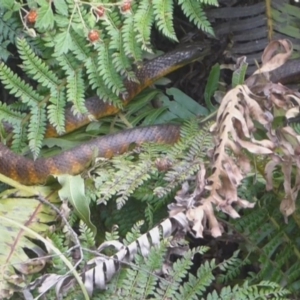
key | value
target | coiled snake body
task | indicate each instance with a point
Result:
(29, 172)
(73, 161)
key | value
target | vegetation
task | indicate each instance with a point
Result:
(126, 227)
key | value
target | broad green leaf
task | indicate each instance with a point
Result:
(73, 190)
(61, 7)
(63, 42)
(187, 102)
(45, 20)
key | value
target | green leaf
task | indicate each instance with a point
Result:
(187, 102)
(73, 190)
(12, 5)
(45, 19)
(63, 42)
(61, 7)
(212, 85)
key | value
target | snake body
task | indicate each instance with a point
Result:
(146, 75)
(29, 172)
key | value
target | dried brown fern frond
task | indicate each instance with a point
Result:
(245, 129)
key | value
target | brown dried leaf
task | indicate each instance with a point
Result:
(275, 55)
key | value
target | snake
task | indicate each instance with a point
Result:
(34, 172)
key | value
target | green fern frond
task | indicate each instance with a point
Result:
(264, 290)
(97, 83)
(75, 92)
(9, 27)
(122, 180)
(163, 15)
(193, 10)
(87, 236)
(18, 87)
(56, 111)
(123, 65)
(112, 24)
(36, 129)
(132, 46)
(113, 235)
(144, 19)
(107, 71)
(36, 67)
(134, 233)
(196, 285)
(10, 115)
(231, 267)
(19, 138)
(189, 152)
(80, 50)
(209, 2)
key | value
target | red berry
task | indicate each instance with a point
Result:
(94, 36)
(100, 11)
(31, 17)
(126, 6)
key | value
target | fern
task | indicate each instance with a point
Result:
(144, 20)
(163, 10)
(36, 129)
(18, 87)
(106, 70)
(193, 10)
(35, 67)
(272, 243)
(56, 109)
(132, 47)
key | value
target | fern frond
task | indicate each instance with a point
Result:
(36, 129)
(80, 50)
(36, 67)
(193, 10)
(75, 92)
(163, 15)
(9, 27)
(123, 65)
(134, 234)
(132, 47)
(56, 111)
(209, 2)
(106, 69)
(122, 180)
(190, 151)
(19, 138)
(144, 19)
(9, 115)
(87, 236)
(197, 285)
(97, 83)
(112, 24)
(18, 87)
